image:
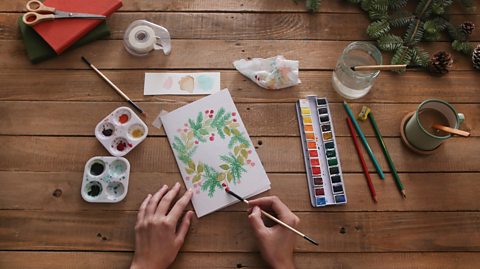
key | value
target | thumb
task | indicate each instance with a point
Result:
(256, 221)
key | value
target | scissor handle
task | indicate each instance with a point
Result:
(39, 7)
(32, 18)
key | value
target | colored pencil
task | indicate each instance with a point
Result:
(364, 140)
(451, 130)
(272, 217)
(115, 87)
(396, 177)
(383, 67)
(362, 160)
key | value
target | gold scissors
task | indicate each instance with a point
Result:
(39, 12)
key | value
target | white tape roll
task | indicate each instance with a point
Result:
(142, 39)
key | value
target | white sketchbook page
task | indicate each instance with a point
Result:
(253, 181)
(181, 83)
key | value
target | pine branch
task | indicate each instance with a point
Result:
(401, 18)
(414, 33)
(420, 57)
(378, 28)
(389, 42)
(397, 4)
(403, 55)
(313, 5)
(464, 47)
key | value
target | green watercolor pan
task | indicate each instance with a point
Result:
(105, 179)
(322, 162)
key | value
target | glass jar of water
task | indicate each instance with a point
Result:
(355, 84)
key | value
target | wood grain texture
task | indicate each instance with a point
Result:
(278, 154)
(63, 119)
(207, 54)
(60, 191)
(244, 26)
(227, 5)
(114, 260)
(85, 85)
(335, 232)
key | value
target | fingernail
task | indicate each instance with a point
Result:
(164, 186)
(190, 190)
(177, 184)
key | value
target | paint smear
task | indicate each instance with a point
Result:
(168, 83)
(205, 83)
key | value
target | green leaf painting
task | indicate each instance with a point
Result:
(203, 130)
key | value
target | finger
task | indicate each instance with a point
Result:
(256, 222)
(166, 201)
(177, 209)
(184, 226)
(273, 203)
(143, 206)
(153, 203)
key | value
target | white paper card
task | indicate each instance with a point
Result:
(181, 83)
(211, 147)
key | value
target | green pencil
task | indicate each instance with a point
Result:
(399, 184)
(364, 140)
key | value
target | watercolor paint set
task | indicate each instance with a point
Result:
(322, 162)
(105, 179)
(121, 131)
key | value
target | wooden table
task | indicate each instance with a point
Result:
(48, 113)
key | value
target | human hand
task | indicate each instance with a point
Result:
(276, 242)
(157, 238)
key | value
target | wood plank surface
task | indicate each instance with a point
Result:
(114, 260)
(228, 5)
(208, 54)
(278, 154)
(68, 119)
(335, 232)
(60, 191)
(250, 26)
(84, 85)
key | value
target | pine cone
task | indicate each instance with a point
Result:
(476, 57)
(440, 63)
(467, 28)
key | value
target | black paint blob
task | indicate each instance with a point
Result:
(94, 190)
(97, 169)
(107, 132)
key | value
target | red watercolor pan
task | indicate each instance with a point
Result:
(315, 162)
(313, 153)
(316, 170)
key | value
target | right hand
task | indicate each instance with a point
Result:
(276, 242)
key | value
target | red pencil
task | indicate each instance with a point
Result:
(360, 156)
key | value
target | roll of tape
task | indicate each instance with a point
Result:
(142, 39)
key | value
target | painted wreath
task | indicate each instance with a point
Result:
(207, 127)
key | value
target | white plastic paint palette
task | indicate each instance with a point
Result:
(121, 131)
(105, 179)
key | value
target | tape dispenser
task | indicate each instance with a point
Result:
(142, 36)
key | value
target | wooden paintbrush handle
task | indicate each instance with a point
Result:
(451, 130)
(379, 67)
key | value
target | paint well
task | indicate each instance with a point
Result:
(324, 118)
(329, 145)
(327, 136)
(330, 153)
(317, 181)
(321, 102)
(334, 170)
(305, 111)
(123, 118)
(310, 136)
(337, 188)
(97, 168)
(315, 162)
(340, 198)
(313, 153)
(322, 110)
(332, 162)
(336, 179)
(319, 192)
(307, 120)
(326, 128)
(308, 128)
(316, 170)
(311, 145)
(321, 201)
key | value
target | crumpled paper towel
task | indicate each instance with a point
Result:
(271, 73)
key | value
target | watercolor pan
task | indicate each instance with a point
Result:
(105, 179)
(322, 162)
(121, 131)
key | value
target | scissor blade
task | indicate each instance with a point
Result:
(64, 15)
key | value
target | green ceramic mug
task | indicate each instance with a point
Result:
(419, 131)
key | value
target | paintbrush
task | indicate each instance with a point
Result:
(227, 189)
(115, 87)
(451, 130)
(384, 67)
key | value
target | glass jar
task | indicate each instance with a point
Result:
(356, 84)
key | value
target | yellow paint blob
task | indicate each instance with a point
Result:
(137, 133)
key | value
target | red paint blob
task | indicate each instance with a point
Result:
(196, 142)
(234, 120)
(211, 111)
(123, 118)
(121, 146)
(212, 138)
(234, 114)
(224, 185)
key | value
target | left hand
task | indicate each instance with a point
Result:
(157, 238)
